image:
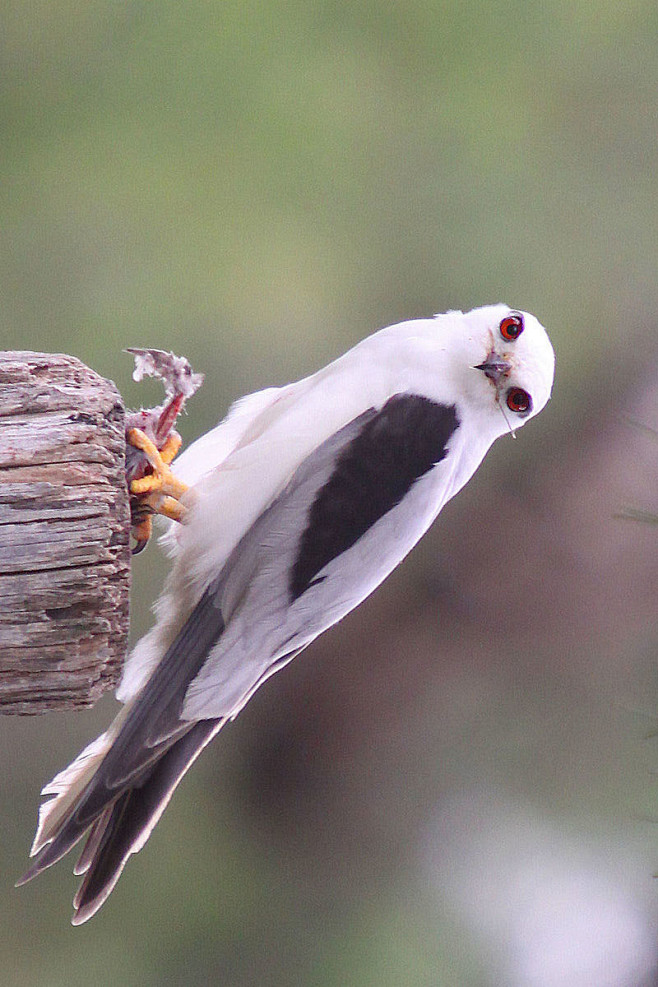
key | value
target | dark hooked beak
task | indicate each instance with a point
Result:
(495, 368)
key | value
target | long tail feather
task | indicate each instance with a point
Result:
(126, 828)
(118, 787)
(121, 827)
(67, 786)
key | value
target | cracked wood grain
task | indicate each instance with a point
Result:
(64, 533)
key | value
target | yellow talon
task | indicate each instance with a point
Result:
(142, 532)
(171, 447)
(146, 484)
(173, 509)
(158, 492)
(140, 440)
(162, 480)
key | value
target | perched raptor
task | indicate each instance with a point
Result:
(299, 504)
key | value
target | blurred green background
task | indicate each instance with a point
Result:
(454, 786)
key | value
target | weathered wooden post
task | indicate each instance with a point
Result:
(64, 533)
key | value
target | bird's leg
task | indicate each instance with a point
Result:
(158, 492)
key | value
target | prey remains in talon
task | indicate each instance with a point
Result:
(159, 491)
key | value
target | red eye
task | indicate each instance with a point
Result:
(511, 327)
(518, 401)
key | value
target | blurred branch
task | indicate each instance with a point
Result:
(64, 528)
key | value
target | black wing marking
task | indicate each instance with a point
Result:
(393, 449)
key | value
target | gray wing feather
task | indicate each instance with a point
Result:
(349, 515)
(263, 625)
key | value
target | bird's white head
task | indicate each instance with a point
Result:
(506, 363)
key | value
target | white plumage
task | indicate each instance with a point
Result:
(301, 502)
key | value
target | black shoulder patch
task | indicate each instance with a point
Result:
(393, 449)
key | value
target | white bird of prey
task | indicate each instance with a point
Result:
(300, 503)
